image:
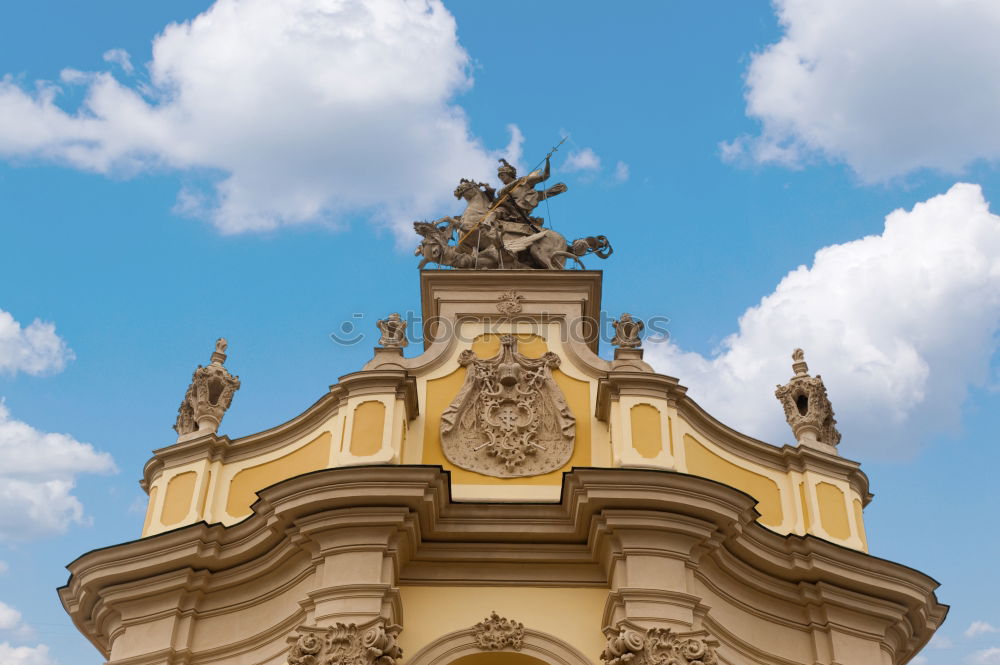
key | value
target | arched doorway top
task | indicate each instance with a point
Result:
(461, 648)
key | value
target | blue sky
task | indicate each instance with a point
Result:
(255, 176)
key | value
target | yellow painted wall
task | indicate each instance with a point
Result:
(647, 437)
(177, 500)
(243, 487)
(573, 615)
(441, 392)
(703, 462)
(860, 519)
(149, 510)
(806, 518)
(368, 428)
(833, 510)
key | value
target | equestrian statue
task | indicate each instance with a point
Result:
(497, 229)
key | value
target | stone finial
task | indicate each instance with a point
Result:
(807, 407)
(393, 331)
(208, 397)
(627, 331)
(658, 646)
(496, 632)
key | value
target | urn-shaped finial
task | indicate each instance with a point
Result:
(807, 407)
(208, 397)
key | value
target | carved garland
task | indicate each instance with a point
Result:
(659, 646)
(348, 644)
(496, 632)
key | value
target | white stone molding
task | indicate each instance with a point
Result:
(675, 552)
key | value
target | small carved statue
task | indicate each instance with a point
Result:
(627, 332)
(393, 331)
(807, 407)
(208, 397)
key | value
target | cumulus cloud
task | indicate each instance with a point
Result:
(989, 656)
(584, 159)
(900, 325)
(979, 628)
(10, 619)
(886, 87)
(35, 349)
(37, 655)
(37, 477)
(304, 111)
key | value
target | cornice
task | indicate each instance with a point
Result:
(435, 531)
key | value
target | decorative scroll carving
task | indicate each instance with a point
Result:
(509, 302)
(208, 397)
(496, 632)
(510, 418)
(659, 646)
(807, 407)
(349, 644)
(393, 331)
(627, 332)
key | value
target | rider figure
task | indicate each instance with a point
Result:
(523, 198)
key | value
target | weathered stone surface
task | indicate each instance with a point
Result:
(208, 397)
(807, 407)
(510, 418)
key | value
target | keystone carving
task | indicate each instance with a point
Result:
(659, 646)
(349, 644)
(510, 418)
(807, 407)
(627, 331)
(496, 632)
(393, 331)
(208, 397)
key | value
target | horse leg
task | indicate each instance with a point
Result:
(569, 255)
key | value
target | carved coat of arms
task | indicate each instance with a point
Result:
(510, 418)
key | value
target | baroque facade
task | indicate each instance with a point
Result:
(504, 496)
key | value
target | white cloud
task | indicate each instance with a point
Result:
(37, 474)
(10, 619)
(621, 172)
(940, 642)
(887, 87)
(582, 160)
(989, 656)
(919, 660)
(304, 111)
(4, 567)
(37, 655)
(899, 325)
(35, 349)
(979, 628)
(121, 58)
